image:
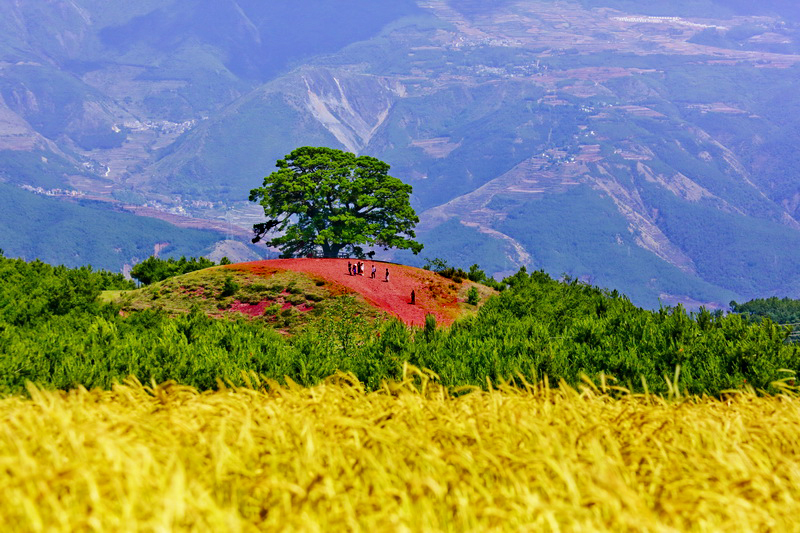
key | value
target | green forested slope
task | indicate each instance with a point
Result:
(74, 234)
(56, 334)
(779, 310)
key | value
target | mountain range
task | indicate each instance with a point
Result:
(647, 147)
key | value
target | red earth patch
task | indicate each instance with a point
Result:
(433, 294)
(249, 309)
(198, 292)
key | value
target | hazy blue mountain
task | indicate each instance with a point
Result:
(648, 147)
(90, 91)
(717, 9)
(252, 38)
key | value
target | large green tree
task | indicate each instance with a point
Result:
(330, 201)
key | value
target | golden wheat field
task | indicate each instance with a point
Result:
(411, 457)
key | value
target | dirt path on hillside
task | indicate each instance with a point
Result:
(434, 294)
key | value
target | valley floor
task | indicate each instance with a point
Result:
(405, 458)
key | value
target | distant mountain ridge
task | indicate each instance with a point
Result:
(648, 148)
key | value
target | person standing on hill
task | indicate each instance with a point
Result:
(373, 272)
(349, 268)
(387, 275)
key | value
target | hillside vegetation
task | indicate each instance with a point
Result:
(285, 301)
(779, 310)
(57, 334)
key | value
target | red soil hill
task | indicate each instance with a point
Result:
(434, 294)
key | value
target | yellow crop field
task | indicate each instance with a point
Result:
(405, 458)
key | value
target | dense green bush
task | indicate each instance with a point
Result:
(34, 292)
(54, 332)
(779, 310)
(153, 269)
(473, 296)
(229, 287)
(441, 267)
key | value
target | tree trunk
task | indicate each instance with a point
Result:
(331, 250)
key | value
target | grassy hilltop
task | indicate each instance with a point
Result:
(288, 295)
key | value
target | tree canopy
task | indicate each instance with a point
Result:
(154, 269)
(779, 310)
(331, 201)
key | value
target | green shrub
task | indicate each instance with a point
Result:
(272, 310)
(296, 299)
(293, 288)
(476, 274)
(153, 269)
(229, 287)
(473, 296)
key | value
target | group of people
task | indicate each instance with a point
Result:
(357, 269)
